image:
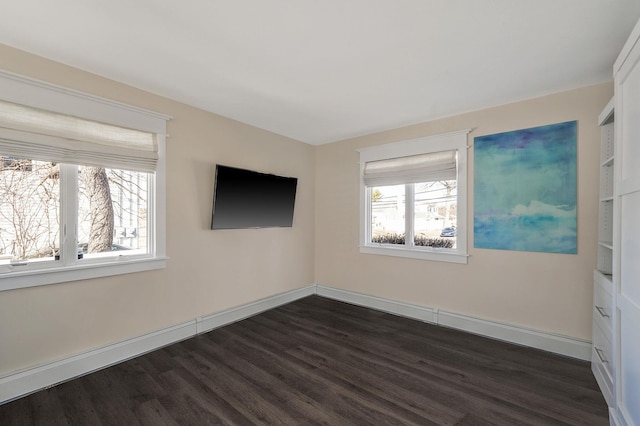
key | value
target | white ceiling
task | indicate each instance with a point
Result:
(321, 71)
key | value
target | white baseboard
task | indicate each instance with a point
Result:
(27, 381)
(31, 380)
(563, 345)
(232, 315)
(559, 344)
(18, 384)
(398, 308)
(613, 417)
(620, 416)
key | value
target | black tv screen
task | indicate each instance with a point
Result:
(249, 199)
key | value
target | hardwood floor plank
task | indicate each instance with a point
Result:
(317, 361)
(108, 395)
(235, 391)
(299, 406)
(196, 404)
(21, 412)
(153, 413)
(349, 378)
(341, 328)
(508, 374)
(517, 393)
(78, 407)
(310, 381)
(440, 392)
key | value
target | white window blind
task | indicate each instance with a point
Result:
(38, 134)
(412, 169)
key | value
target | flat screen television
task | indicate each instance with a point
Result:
(249, 199)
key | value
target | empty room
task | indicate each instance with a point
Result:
(303, 212)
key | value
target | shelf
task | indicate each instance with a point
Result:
(604, 262)
(606, 244)
(607, 115)
(607, 144)
(608, 162)
(606, 191)
(606, 182)
(608, 278)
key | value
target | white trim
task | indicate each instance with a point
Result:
(40, 94)
(434, 143)
(424, 253)
(627, 49)
(606, 116)
(50, 97)
(113, 266)
(211, 322)
(158, 198)
(456, 141)
(620, 417)
(22, 383)
(31, 380)
(563, 345)
(408, 310)
(613, 418)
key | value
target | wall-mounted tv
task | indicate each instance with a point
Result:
(249, 199)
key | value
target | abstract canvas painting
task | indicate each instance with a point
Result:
(525, 189)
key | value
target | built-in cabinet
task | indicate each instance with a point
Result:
(616, 317)
(605, 217)
(602, 358)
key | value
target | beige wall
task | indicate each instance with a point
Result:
(548, 292)
(208, 271)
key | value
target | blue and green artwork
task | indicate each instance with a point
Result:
(525, 189)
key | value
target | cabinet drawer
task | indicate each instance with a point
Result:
(601, 360)
(602, 350)
(603, 303)
(605, 382)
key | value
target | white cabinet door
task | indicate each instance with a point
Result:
(628, 192)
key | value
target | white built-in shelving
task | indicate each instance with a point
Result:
(603, 292)
(616, 309)
(605, 213)
(625, 318)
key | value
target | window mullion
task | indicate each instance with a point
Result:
(368, 215)
(51, 125)
(151, 214)
(409, 198)
(69, 214)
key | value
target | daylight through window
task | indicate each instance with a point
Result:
(79, 198)
(411, 204)
(433, 213)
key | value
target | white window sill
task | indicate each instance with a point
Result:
(11, 279)
(442, 255)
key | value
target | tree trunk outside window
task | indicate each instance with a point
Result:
(101, 229)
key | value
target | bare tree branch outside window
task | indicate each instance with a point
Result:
(29, 208)
(112, 209)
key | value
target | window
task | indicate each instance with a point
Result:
(413, 198)
(81, 185)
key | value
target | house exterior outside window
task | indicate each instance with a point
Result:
(82, 185)
(413, 198)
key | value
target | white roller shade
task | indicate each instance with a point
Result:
(412, 169)
(37, 134)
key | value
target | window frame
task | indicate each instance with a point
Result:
(39, 94)
(424, 145)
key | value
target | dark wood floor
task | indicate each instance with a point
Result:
(318, 361)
